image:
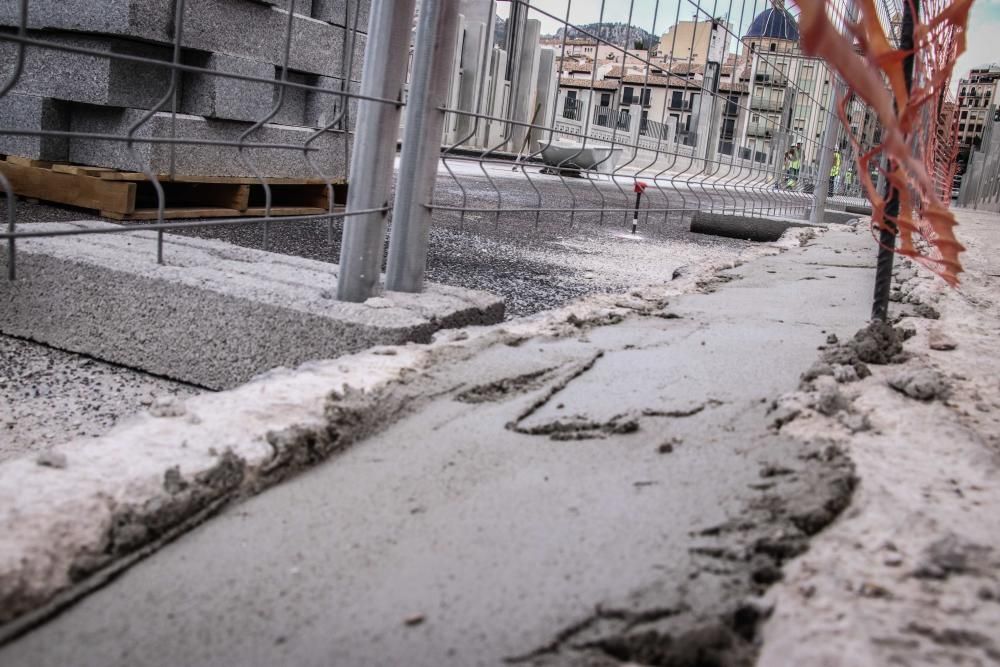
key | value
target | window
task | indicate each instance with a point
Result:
(965, 114)
(774, 47)
(677, 99)
(627, 94)
(646, 93)
(605, 99)
(728, 128)
(570, 109)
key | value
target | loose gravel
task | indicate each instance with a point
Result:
(48, 397)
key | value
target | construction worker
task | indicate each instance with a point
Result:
(834, 171)
(793, 160)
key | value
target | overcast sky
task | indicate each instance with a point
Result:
(983, 39)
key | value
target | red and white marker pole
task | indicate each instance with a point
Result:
(640, 187)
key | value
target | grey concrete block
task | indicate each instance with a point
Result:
(141, 19)
(251, 30)
(202, 160)
(226, 98)
(234, 27)
(102, 80)
(293, 103)
(762, 230)
(304, 7)
(27, 112)
(342, 12)
(325, 108)
(214, 315)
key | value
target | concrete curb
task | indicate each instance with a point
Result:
(215, 315)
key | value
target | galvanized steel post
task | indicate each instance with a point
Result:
(374, 151)
(433, 59)
(831, 133)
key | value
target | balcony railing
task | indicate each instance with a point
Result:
(765, 79)
(653, 130)
(766, 104)
(572, 109)
(764, 130)
(611, 118)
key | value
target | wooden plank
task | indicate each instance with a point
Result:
(180, 213)
(78, 170)
(71, 189)
(28, 162)
(241, 198)
(278, 211)
(237, 180)
(195, 212)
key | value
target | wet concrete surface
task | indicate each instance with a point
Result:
(474, 532)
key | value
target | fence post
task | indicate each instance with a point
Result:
(433, 59)
(386, 53)
(887, 237)
(831, 133)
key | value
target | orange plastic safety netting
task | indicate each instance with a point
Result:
(918, 129)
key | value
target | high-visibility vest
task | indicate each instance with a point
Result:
(835, 169)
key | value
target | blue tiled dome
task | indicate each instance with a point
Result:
(774, 23)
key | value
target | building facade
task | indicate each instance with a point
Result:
(976, 94)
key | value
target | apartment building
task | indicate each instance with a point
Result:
(976, 94)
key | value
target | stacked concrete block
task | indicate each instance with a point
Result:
(97, 79)
(243, 28)
(201, 159)
(223, 97)
(66, 91)
(324, 109)
(348, 13)
(304, 7)
(35, 113)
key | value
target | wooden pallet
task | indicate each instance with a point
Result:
(122, 195)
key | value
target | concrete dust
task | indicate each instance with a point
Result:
(910, 573)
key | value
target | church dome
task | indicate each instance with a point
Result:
(774, 23)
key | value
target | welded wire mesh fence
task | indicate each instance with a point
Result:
(532, 116)
(979, 187)
(724, 113)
